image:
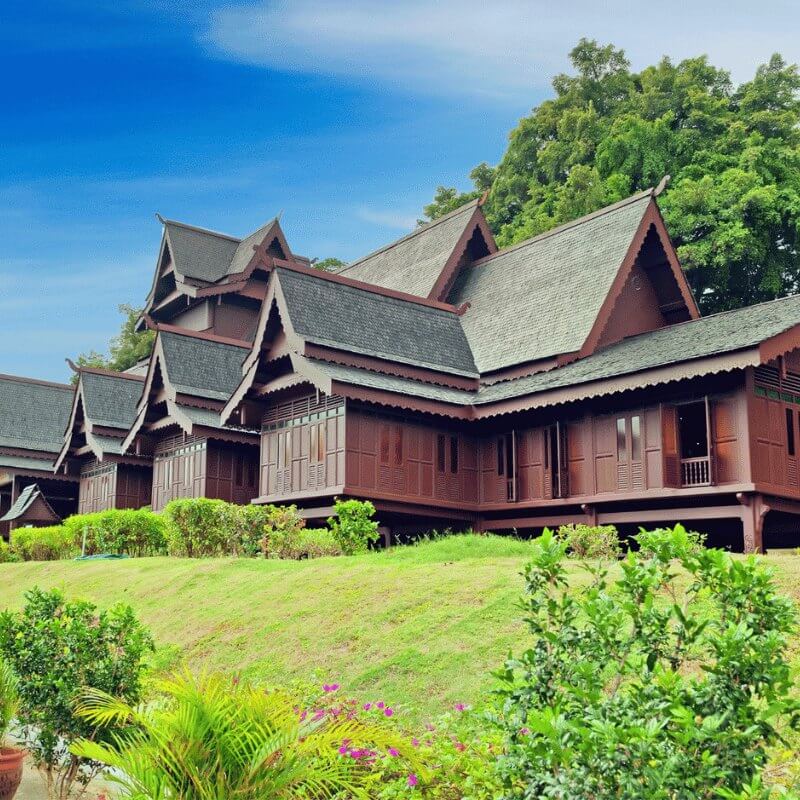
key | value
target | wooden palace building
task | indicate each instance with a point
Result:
(566, 379)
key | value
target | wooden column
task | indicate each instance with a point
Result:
(753, 513)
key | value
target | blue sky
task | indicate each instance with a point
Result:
(344, 115)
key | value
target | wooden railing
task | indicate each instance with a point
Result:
(696, 471)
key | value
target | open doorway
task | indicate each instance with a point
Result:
(693, 441)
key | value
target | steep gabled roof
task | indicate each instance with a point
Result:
(197, 253)
(33, 414)
(541, 298)
(359, 320)
(201, 366)
(110, 400)
(29, 499)
(414, 263)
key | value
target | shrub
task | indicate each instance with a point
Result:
(9, 697)
(43, 544)
(630, 689)
(353, 526)
(58, 647)
(590, 541)
(197, 527)
(211, 737)
(246, 528)
(7, 555)
(297, 543)
(135, 532)
(281, 531)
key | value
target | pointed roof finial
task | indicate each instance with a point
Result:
(483, 198)
(72, 365)
(160, 218)
(661, 186)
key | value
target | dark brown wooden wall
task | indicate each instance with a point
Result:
(191, 467)
(302, 446)
(393, 457)
(113, 485)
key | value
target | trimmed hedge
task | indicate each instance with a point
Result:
(133, 532)
(43, 544)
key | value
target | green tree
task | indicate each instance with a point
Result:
(126, 349)
(733, 205)
(329, 263)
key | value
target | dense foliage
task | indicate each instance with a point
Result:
(633, 689)
(126, 349)
(51, 543)
(133, 532)
(56, 648)
(733, 206)
(353, 526)
(210, 738)
(590, 541)
(9, 697)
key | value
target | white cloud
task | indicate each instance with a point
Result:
(387, 218)
(503, 50)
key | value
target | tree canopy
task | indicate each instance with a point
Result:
(733, 204)
(127, 348)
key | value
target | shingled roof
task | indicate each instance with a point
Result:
(358, 320)
(110, 400)
(414, 263)
(201, 367)
(541, 297)
(29, 497)
(33, 414)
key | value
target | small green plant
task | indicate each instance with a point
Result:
(7, 555)
(134, 532)
(353, 525)
(631, 688)
(57, 647)
(196, 527)
(43, 544)
(212, 737)
(590, 541)
(281, 532)
(299, 543)
(9, 697)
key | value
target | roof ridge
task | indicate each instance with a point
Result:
(419, 229)
(568, 225)
(110, 373)
(35, 381)
(335, 277)
(198, 229)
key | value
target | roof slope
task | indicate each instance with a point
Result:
(413, 263)
(28, 496)
(33, 414)
(199, 254)
(346, 317)
(201, 367)
(541, 298)
(110, 401)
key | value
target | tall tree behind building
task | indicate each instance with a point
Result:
(127, 348)
(733, 205)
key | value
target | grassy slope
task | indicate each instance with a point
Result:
(420, 627)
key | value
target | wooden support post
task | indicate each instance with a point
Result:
(753, 513)
(591, 514)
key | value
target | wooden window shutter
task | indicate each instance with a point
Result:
(672, 456)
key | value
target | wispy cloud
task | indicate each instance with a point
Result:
(502, 50)
(387, 218)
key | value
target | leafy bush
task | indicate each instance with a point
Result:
(197, 527)
(7, 555)
(628, 691)
(297, 543)
(281, 530)
(135, 532)
(59, 647)
(43, 544)
(210, 737)
(353, 526)
(245, 525)
(9, 697)
(590, 541)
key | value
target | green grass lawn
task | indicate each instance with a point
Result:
(421, 627)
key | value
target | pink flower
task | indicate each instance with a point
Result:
(460, 707)
(343, 750)
(330, 687)
(367, 706)
(388, 712)
(524, 731)
(380, 704)
(393, 752)
(460, 746)
(412, 780)
(415, 742)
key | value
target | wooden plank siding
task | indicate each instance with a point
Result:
(185, 466)
(113, 485)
